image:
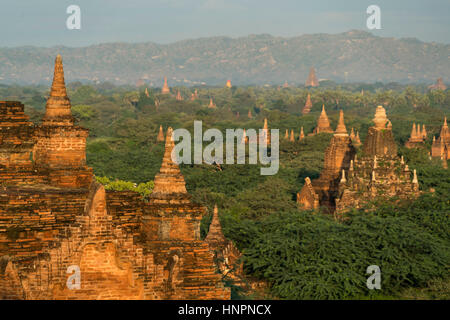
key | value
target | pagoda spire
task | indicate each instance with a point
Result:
(341, 129)
(211, 105)
(424, 132)
(286, 135)
(413, 131)
(312, 79)
(292, 139)
(165, 89)
(160, 137)
(308, 105)
(179, 97)
(169, 180)
(57, 109)
(215, 233)
(302, 134)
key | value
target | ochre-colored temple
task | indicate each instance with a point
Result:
(165, 89)
(417, 137)
(55, 219)
(212, 105)
(312, 79)
(160, 137)
(348, 182)
(439, 85)
(308, 105)
(323, 124)
(441, 146)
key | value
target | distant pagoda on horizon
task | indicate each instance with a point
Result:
(165, 89)
(312, 79)
(439, 85)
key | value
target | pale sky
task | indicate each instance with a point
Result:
(43, 22)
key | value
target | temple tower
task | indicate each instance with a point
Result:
(380, 140)
(441, 146)
(308, 105)
(312, 79)
(323, 123)
(165, 89)
(338, 155)
(160, 137)
(61, 146)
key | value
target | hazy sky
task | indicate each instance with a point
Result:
(43, 22)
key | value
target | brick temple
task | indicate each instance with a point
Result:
(312, 79)
(308, 105)
(348, 182)
(54, 217)
(417, 138)
(323, 123)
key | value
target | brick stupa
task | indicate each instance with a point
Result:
(323, 124)
(308, 105)
(160, 137)
(417, 137)
(61, 145)
(165, 89)
(312, 79)
(441, 146)
(264, 133)
(179, 97)
(212, 105)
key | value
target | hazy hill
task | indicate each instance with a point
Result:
(256, 59)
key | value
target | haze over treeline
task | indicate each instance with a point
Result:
(354, 56)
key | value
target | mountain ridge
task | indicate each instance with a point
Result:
(254, 59)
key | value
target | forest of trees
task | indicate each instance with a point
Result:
(300, 254)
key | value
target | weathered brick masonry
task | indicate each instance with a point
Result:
(53, 215)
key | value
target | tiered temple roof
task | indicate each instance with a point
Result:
(348, 182)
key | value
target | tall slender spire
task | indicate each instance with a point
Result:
(211, 105)
(292, 139)
(215, 233)
(165, 89)
(413, 131)
(341, 129)
(312, 79)
(57, 110)
(160, 136)
(308, 105)
(302, 134)
(169, 180)
(424, 132)
(323, 124)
